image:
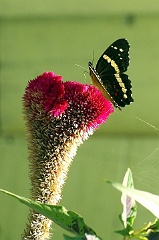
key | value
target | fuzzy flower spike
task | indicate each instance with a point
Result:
(59, 117)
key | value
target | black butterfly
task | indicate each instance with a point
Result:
(109, 76)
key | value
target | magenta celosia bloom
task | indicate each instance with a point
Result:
(47, 94)
(59, 117)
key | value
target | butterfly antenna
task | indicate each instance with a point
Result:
(84, 73)
(92, 56)
(81, 67)
(85, 69)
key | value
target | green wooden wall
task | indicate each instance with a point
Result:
(38, 36)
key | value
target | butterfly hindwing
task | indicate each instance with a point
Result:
(119, 91)
(109, 73)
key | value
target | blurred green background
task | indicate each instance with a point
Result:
(38, 36)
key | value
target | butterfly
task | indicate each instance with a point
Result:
(109, 74)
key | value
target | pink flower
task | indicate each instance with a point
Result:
(59, 117)
(48, 95)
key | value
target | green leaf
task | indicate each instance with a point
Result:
(72, 238)
(68, 220)
(87, 237)
(144, 232)
(129, 206)
(146, 199)
(124, 232)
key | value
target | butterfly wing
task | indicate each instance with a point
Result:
(111, 67)
(119, 53)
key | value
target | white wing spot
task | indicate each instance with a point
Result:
(121, 84)
(124, 90)
(125, 96)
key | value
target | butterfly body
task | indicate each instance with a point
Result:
(109, 76)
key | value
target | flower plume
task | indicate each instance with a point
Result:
(59, 117)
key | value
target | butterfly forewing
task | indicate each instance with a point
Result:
(119, 53)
